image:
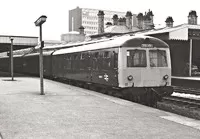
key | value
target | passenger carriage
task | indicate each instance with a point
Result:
(133, 65)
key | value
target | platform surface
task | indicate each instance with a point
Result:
(67, 112)
(187, 78)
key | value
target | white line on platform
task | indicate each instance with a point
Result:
(183, 120)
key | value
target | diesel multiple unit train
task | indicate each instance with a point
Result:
(136, 68)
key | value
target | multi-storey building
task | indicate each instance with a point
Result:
(89, 20)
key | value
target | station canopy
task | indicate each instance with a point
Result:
(182, 32)
(19, 42)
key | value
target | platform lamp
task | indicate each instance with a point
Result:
(39, 23)
(11, 58)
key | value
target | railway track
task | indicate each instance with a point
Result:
(194, 91)
(183, 101)
(181, 106)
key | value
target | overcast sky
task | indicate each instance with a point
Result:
(18, 16)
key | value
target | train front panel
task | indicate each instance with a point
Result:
(144, 67)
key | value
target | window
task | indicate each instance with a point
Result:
(136, 58)
(106, 60)
(96, 55)
(68, 62)
(158, 58)
(115, 59)
(106, 54)
(83, 56)
(95, 61)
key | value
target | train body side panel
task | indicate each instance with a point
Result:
(18, 64)
(64, 66)
(47, 62)
(105, 67)
(31, 65)
(88, 66)
(4, 64)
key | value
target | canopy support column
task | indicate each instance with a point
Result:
(11, 59)
(190, 59)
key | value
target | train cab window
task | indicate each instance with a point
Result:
(158, 58)
(136, 58)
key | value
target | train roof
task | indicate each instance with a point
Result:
(74, 44)
(123, 41)
(37, 53)
(6, 56)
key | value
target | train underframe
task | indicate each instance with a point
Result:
(147, 95)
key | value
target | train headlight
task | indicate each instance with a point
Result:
(130, 77)
(165, 77)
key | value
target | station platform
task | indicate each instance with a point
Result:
(66, 112)
(187, 82)
(187, 78)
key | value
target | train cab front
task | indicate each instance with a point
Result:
(146, 67)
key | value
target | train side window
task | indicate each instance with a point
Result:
(84, 60)
(68, 61)
(95, 61)
(115, 62)
(76, 61)
(75, 56)
(83, 56)
(96, 55)
(158, 58)
(136, 58)
(106, 54)
(106, 60)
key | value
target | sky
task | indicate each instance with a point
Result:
(18, 16)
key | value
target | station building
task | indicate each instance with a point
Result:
(184, 42)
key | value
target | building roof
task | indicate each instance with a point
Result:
(180, 32)
(72, 44)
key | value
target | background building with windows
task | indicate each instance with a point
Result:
(89, 20)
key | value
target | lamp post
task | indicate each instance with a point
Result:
(11, 58)
(39, 23)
